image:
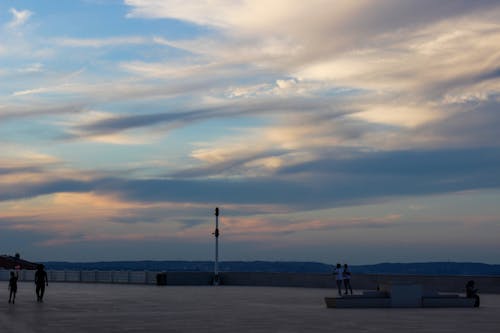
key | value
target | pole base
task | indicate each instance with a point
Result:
(216, 281)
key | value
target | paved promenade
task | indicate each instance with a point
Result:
(78, 307)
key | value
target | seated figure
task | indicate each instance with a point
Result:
(471, 292)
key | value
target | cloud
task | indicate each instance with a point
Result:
(410, 57)
(32, 68)
(221, 110)
(269, 228)
(21, 169)
(30, 190)
(308, 106)
(328, 182)
(172, 70)
(406, 69)
(257, 16)
(11, 112)
(323, 184)
(18, 164)
(490, 75)
(19, 17)
(70, 218)
(318, 27)
(475, 126)
(233, 165)
(438, 163)
(102, 42)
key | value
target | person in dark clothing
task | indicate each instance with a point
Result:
(41, 281)
(13, 287)
(471, 292)
(347, 278)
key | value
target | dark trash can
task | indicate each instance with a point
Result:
(161, 279)
(217, 280)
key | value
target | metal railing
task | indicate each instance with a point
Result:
(487, 284)
(130, 277)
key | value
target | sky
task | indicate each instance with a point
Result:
(331, 131)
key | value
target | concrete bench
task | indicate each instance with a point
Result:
(399, 296)
(368, 299)
(447, 302)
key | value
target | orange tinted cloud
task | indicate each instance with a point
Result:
(87, 215)
(265, 228)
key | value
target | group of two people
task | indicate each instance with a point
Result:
(41, 281)
(343, 275)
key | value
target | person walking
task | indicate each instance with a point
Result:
(339, 277)
(347, 278)
(13, 286)
(41, 281)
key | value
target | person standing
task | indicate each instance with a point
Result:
(347, 278)
(339, 278)
(41, 281)
(13, 286)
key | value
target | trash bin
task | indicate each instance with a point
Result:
(216, 280)
(161, 279)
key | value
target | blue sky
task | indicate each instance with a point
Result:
(357, 132)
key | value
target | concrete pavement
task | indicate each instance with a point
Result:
(80, 307)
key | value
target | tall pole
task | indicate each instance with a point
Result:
(216, 234)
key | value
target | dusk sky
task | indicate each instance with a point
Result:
(331, 131)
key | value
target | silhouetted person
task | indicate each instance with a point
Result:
(347, 278)
(13, 286)
(471, 292)
(339, 276)
(41, 281)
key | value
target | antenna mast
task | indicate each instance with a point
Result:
(216, 234)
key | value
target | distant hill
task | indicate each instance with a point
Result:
(430, 268)
(193, 266)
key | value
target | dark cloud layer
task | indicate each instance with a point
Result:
(441, 163)
(31, 190)
(23, 169)
(327, 182)
(494, 74)
(476, 126)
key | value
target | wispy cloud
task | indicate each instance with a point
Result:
(102, 42)
(220, 110)
(401, 51)
(19, 17)
(15, 111)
